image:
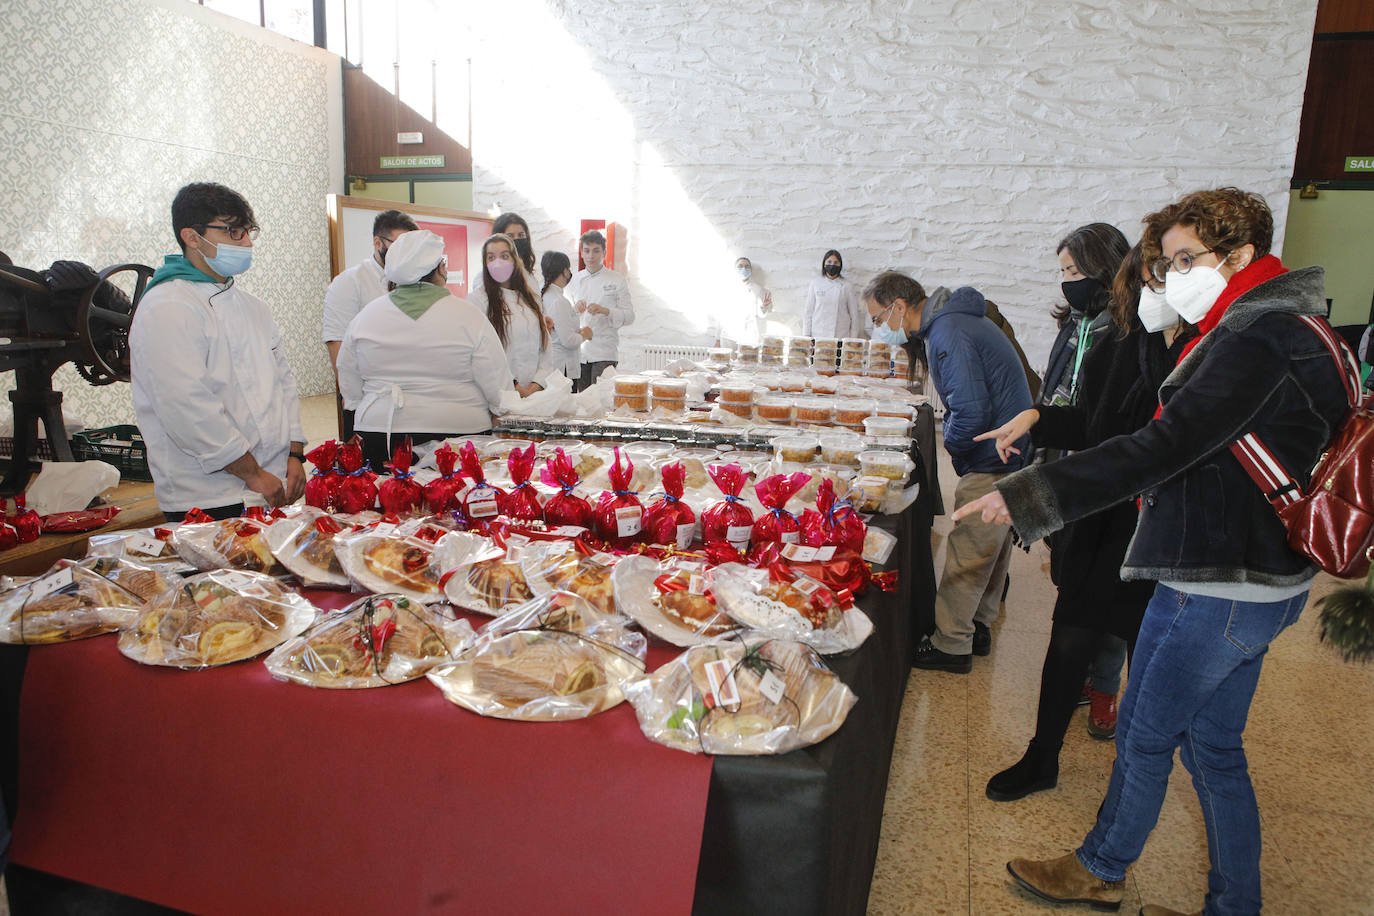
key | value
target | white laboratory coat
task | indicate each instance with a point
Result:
(440, 373)
(210, 384)
(832, 309)
(740, 319)
(566, 340)
(608, 289)
(528, 362)
(348, 293)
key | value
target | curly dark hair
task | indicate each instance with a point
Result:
(205, 202)
(1126, 286)
(1223, 218)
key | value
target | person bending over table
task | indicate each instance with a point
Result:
(419, 361)
(213, 393)
(1228, 581)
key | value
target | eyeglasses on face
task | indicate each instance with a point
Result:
(1180, 263)
(235, 232)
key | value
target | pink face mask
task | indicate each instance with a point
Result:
(500, 270)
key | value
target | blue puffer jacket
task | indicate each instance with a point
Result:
(977, 374)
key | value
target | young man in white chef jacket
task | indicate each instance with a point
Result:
(601, 298)
(215, 398)
(355, 287)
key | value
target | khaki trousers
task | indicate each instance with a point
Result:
(976, 558)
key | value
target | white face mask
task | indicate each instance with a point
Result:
(1154, 311)
(1194, 293)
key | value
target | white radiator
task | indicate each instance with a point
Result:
(656, 356)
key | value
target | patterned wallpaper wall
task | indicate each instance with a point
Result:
(107, 107)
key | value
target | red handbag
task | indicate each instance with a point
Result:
(1332, 522)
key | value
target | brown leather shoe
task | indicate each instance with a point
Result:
(1154, 909)
(1065, 880)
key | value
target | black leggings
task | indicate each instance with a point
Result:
(1067, 659)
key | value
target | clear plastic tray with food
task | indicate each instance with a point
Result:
(841, 448)
(799, 449)
(787, 605)
(886, 463)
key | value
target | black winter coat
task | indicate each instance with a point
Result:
(1203, 518)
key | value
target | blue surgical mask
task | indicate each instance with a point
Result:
(744, 272)
(230, 260)
(884, 334)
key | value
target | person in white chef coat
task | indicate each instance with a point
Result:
(419, 361)
(514, 310)
(832, 303)
(741, 318)
(214, 396)
(567, 334)
(601, 298)
(358, 285)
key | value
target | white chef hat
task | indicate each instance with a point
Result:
(412, 256)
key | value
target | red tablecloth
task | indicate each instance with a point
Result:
(226, 791)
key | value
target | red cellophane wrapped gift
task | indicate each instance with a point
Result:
(835, 523)
(441, 493)
(322, 489)
(357, 491)
(26, 522)
(564, 507)
(523, 500)
(399, 494)
(778, 524)
(669, 520)
(729, 520)
(619, 514)
(482, 502)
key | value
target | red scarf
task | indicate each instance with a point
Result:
(1242, 281)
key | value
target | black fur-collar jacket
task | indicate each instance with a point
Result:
(1202, 518)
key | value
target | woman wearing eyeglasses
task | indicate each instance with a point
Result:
(1119, 376)
(419, 361)
(1228, 581)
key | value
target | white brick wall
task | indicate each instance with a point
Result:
(956, 140)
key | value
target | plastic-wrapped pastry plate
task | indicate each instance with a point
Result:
(671, 602)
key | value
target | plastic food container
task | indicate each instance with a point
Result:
(868, 492)
(814, 410)
(887, 426)
(674, 388)
(797, 449)
(895, 409)
(841, 449)
(737, 393)
(773, 343)
(885, 464)
(739, 410)
(792, 383)
(854, 411)
(634, 402)
(774, 410)
(673, 404)
(631, 385)
(823, 385)
(859, 344)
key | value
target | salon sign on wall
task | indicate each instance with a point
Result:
(412, 162)
(1359, 163)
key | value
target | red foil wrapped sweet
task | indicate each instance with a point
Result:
(357, 490)
(523, 500)
(399, 494)
(729, 520)
(777, 524)
(669, 520)
(564, 507)
(9, 538)
(619, 515)
(834, 521)
(27, 524)
(441, 494)
(482, 502)
(322, 489)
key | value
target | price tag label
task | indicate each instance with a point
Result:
(384, 529)
(569, 531)
(407, 528)
(825, 553)
(696, 584)
(516, 541)
(799, 552)
(235, 579)
(722, 680)
(738, 535)
(806, 585)
(628, 521)
(772, 687)
(689, 566)
(45, 586)
(482, 507)
(791, 537)
(684, 535)
(143, 543)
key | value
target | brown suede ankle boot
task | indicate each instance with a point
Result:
(1065, 880)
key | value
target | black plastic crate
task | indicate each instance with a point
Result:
(121, 446)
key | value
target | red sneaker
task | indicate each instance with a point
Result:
(1101, 715)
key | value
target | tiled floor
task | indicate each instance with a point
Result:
(945, 845)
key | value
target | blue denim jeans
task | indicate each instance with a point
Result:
(1196, 665)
